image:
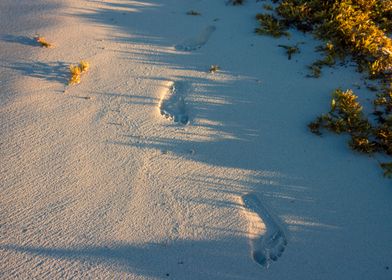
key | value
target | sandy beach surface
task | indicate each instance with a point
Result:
(153, 167)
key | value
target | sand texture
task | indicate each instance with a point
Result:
(152, 167)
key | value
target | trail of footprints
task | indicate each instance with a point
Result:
(267, 238)
(172, 104)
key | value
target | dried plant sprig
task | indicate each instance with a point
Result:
(290, 50)
(42, 41)
(84, 66)
(236, 2)
(193, 13)
(214, 68)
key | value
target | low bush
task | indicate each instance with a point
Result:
(358, 29)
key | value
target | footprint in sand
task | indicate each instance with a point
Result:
(197, 42)
(267, 238)
(172, 104)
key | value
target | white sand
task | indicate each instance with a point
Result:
(108, 188)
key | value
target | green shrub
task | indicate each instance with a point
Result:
(355, 28)
(346, 116)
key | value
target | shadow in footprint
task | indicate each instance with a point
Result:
(269, 246)
(172, 105)
(197, 42)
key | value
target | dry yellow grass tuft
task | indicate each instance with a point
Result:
(42, 41)
(77, 71)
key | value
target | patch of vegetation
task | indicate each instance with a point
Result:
(42, 41)
(345, 115)
(77, 71)
(367, 135)
(355, 27)
(359, 29)
(270, 25)
(329, 59)
(193, 13)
